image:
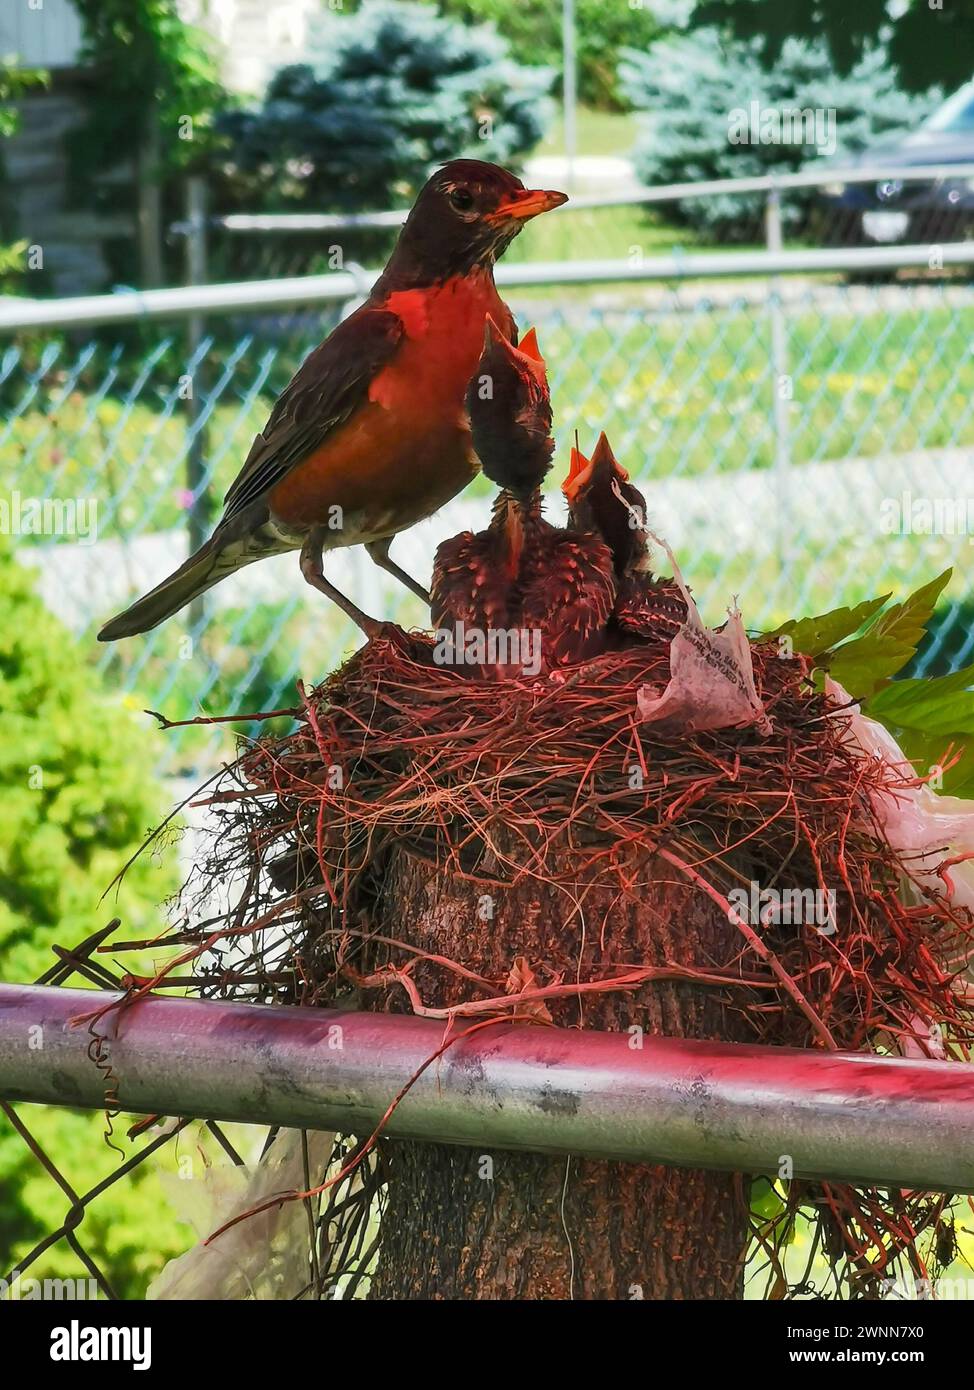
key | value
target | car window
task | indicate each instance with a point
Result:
(956, 114)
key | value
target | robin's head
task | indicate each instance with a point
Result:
(466, 214)
(601, 499)
(510, 412)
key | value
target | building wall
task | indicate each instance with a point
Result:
(36, 167)
(40, 33)
(255, 36)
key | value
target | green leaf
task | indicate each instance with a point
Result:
(863, 664)
(928, 716)
(813, 636)
(941, 705)
(770, 1207)
(926, 751)
(766, 1201)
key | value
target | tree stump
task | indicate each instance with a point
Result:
(467, 1224)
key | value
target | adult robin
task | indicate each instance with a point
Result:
(371, 435)
(553, 588)
(603, 500)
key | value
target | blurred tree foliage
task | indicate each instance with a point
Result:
(154, 74)
(385, 93)
(15, 82)
(927, 43)
(75, 803)
(533, 30)
(689, 83)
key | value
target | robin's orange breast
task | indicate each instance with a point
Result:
(406, 450)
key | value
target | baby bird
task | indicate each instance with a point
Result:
(523, 577)
(603, 500)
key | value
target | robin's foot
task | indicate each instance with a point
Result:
(379, 551)
(392, 632)
(314, 575)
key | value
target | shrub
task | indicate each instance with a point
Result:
(75, 802)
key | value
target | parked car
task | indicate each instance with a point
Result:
(894, 210)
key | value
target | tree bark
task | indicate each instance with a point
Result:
(467, 1224)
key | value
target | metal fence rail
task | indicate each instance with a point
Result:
(841, 1116)
(256, 296)
(821, 203)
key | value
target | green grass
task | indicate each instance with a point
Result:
(687, 394)
(575, 234)
(596, 132)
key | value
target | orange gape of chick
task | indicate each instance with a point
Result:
(371, 434)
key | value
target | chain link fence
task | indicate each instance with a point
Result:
(181, 1147)
(802, 440)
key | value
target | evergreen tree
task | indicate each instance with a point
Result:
(533, 29)
(385, 94)
(691, 84)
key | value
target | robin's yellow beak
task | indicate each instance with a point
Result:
(525, 203)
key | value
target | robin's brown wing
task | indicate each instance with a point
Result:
(333, 381)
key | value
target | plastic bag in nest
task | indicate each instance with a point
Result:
(931, 834)
(711, 682)
(263, 1257)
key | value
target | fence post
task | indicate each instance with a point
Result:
(149, 204)
(779, 369)
(569, 98)
(197, 511)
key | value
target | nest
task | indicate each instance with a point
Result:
(497, 781)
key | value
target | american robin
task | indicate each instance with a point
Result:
(522, 573)
(371, 434)
(603, 500)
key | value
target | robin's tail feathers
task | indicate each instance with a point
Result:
(199, 573)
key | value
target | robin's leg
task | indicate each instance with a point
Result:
(379, 551)
(314, 574)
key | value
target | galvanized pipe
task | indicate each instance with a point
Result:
(899, 1123)
(305, 291)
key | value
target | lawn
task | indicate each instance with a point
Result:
(685, 394)
(596, 133)
(679, 394)
(604, 234)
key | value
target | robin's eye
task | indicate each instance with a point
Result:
(462, 199)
